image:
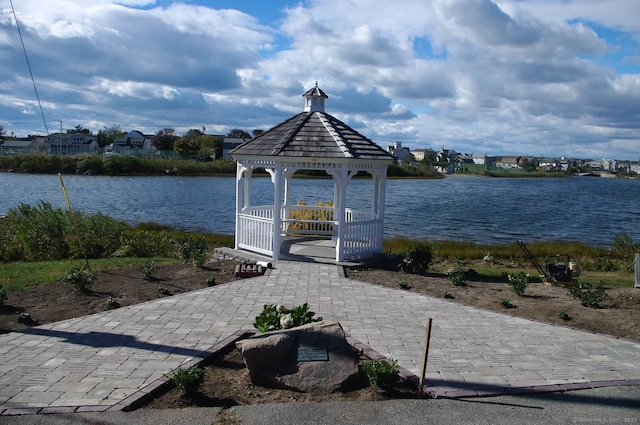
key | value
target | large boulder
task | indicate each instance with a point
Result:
(313, 358)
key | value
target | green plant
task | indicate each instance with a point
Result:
(457, 277)
(589, 295)
(211, 281)
(379, 372)
(147, 269)
(145, 244)
(164, 291)
(112, 303)
(404, 285)
(417, 259)
(3, 295)
(448, 295)
(25, 318)
(187, 380)
(518, 282)
(80, 279)
(193, 249)
(624, 247)
(274, 317)
(506, 303)
(564, 316)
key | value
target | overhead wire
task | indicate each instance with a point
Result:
(33, 80)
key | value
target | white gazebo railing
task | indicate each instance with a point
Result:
(305, 220)
(255, 229)
(362, 233)
(362, 237)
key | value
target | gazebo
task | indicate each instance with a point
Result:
(310, 140)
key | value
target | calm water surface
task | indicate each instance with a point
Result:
(484, 210)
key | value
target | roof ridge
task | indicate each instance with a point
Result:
(333, 131)
(302, 118)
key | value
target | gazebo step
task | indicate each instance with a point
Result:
(249, 270)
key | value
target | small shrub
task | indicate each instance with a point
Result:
(112, 303)
(164, 291)
(80, 279)
(211, 281)
(187, 380)
(457, 278)
(417, 259)
(147, 269)
(518, 282)
(379, 372)
(588, 295)
(448, 295)
(3, 295)
(193, 249)
(404, 285)
(274, 317)
(564, 316)
(506, 303)
(25, 318)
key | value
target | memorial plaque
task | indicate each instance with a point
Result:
(312, 354)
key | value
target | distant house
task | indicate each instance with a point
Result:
(463, 158)
(446, 155)
(21, 146)
(508, 162)
(71, 144)
(479, 159)
(230, 143)
(421, 154)
(399, 152)
(134, 143)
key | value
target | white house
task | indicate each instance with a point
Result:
(133, 143)
(71, 144)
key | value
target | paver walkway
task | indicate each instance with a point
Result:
(104, 361)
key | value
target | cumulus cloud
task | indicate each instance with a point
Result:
(502, 77)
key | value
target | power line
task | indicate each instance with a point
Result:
(24, 49)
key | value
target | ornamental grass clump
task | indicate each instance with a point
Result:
(274, 317)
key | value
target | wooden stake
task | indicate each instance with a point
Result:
(425, 354)
(637, 262)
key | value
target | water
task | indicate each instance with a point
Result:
(483, 210)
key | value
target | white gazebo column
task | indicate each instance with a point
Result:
(286, 208)
(341, 177)
(240, 169)
(277, 179)
(380, 192)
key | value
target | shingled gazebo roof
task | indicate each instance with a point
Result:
(312, 134)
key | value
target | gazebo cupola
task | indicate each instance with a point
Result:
(310, 140)
(314, 100)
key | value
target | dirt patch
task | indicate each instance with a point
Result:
(126, 286)
(227, 384)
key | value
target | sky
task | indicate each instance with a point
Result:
(546, 78)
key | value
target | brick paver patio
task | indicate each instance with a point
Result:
(107, 360)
